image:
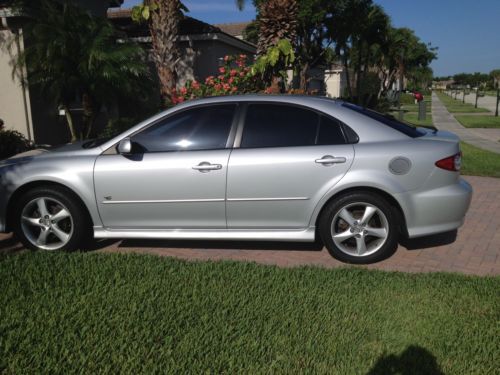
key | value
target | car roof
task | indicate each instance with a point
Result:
(283, 98)
(366, 128)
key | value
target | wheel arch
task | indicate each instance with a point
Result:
(403, 230)
(38, 184)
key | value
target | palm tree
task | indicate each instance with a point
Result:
(277, 20)
(163, 17)
(72, 55)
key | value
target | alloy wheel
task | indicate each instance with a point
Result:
(359, 229)
(47, 223)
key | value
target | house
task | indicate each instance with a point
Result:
(335, 81)
(26, 110)
(202, 46)
(235, 29)
(22, 109)
(442, 85)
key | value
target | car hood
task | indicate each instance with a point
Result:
(71, 149)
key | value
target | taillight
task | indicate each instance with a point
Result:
(451, 163)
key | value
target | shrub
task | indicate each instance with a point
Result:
(235, 77)
(12, 142)
(407, 99)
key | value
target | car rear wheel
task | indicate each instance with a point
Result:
(360, 228)
(49, 219)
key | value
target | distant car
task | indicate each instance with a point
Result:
(278, 168)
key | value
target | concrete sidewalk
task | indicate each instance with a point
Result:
(444, 120)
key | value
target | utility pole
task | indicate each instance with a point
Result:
(477, 94)
(498, 100)
(401, 78)
(463, 99)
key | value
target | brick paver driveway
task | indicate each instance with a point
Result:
(474, 250)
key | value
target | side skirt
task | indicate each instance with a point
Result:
(300, 235)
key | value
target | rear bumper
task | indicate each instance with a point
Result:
(436, 211)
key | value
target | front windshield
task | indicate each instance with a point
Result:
(95, 142)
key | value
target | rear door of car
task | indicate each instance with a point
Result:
(286, 157)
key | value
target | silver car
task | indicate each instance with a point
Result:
(272, 168)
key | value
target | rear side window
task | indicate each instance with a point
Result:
(387, 120)
(276, 125)
(204, 128)
(272, 125)
(330, 132)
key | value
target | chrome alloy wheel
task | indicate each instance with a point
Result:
(47, 223)
(359, 229)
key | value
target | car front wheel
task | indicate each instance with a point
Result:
(49, 219)
(359, 227)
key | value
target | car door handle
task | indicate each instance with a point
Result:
(205, 166)
(330, 160)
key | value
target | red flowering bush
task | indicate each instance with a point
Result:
(234, 77)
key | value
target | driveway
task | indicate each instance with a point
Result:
(474, 250)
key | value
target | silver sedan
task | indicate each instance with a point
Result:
(278, 168)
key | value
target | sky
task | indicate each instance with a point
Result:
(466, 32)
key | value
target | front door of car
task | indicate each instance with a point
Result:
(175, 176)
(288, 158)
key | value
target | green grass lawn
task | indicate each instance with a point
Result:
(479, 121)
(414, 107)
(456, 105)
(412, 118)
(67, 313)
(478, 162)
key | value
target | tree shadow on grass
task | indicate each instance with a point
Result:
(415, 360)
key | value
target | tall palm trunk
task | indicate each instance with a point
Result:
(164, 29)
(69, 120)
(89, 115)
(277, 20)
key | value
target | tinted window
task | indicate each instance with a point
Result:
(274, 125)
(330, 132)
(387, 120)
(205, 128)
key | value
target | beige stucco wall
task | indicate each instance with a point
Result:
(335, 83)
(14, 100)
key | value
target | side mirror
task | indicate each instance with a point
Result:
(125, 146)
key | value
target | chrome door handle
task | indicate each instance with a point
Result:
(330, 160)
(205, 166)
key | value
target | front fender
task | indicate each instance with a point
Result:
(74, 173)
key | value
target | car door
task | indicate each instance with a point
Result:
(288, 158)
(175, 176)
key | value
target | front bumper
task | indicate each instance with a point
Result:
(437, 210)
(3, 211)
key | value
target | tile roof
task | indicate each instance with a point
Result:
(235, 28)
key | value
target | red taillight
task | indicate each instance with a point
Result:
(451, 163)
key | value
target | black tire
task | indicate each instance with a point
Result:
(78, 219)
(377, 248)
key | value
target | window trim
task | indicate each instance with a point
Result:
(392, 123)
(230, 138)
(242, 120)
